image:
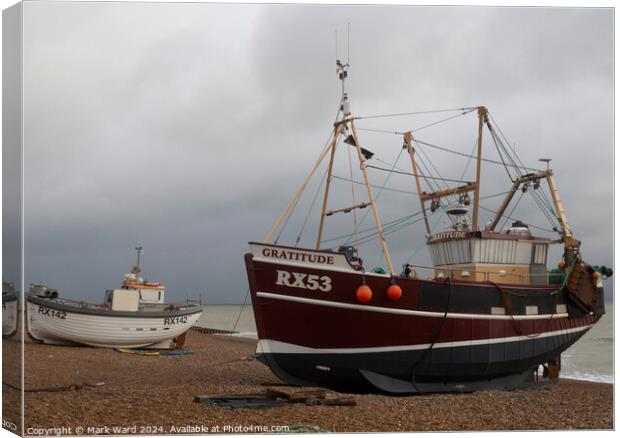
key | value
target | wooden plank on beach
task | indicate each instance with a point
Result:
(274, 393)
(302, 396)
(338, 401)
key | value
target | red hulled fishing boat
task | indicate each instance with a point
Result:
(490, 315)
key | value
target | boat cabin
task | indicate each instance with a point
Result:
(135, 292)
(512, 256)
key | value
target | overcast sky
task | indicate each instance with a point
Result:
(186, 128)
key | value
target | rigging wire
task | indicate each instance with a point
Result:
(442, 121)
(371, 231)
(469, 160)
(413, 174)
(373, 228)
(381, 131)
(501, 156)
(549, 204)
(290, 213)
(452, 151)
(500, 144)
(514, 219)
(380, 191)
(316, 195)
(361, 183)
(413, 113)
(513, 210)
(486, 160)
(551, 218)
(432, 165)
(505, 139)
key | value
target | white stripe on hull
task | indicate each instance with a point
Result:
(271, 346)
(9, 317)
(422, 313)
(103, 331)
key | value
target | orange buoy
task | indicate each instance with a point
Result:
(363, 293)
(394, 292)
(562, 265)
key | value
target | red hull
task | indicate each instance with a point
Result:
(438, 335)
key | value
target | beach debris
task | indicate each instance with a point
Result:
(270, 398)
(311, 397)
(296, 396)
(240, 401)
(336, 401)
(143, 352)
(72, 387)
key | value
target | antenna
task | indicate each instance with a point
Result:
(336, 32)
(348, 42)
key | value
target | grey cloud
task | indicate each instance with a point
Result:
(187, 127)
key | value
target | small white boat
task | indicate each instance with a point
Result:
(9, 309)
(133, 316)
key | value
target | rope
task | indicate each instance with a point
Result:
(508, 307)
(436, 337)
(240, 312)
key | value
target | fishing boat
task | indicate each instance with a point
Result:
(489, 315)
(9, 309)
(132, 316)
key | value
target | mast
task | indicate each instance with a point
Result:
(136, 269)
(348, 118)
(515, 186)
(408, 137)
(482, 116)
(327, 184)
(371, 197)
(341, 125)
(558, 206)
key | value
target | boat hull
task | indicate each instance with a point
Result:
(9, 315)
(52, 323)
(439, 336)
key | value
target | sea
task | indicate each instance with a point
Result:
(591, 358)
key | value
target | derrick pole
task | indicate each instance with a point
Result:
(327, 184)
(371, 197)
(482, 116)
(408, 137)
